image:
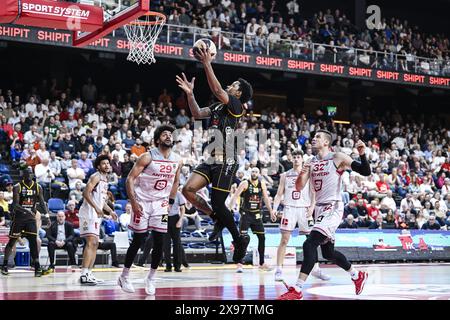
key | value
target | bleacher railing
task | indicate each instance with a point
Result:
(306, 50)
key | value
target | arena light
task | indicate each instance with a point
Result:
(341, 121)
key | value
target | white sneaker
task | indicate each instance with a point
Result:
(87, 280)
(319, 274)
(125, 284)
(265, 267)
(239, 268)
(279, 275)
(149, 287)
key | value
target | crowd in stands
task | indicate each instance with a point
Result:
(59, 136)
(284, 29)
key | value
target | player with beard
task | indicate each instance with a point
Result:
(151, 187)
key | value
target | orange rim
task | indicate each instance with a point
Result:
(161, 20)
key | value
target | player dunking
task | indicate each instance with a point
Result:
(90, 214)
(151, 187)
(223, 116)
(253, 191)
(298, 209)
(26, 195)
(325, 171)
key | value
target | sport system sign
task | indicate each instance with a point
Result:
(179, 51)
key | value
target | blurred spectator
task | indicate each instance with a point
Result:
(378, 223)
(75, 174)
(349, 223)
(431, 224)
(61, 236)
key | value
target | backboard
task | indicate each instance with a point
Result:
(116, 13)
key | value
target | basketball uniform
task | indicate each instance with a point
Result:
(25, 223)
(296, 204)
(152, 190)
(220, 168)
(251, 209)
(89, 220)
(326, 181)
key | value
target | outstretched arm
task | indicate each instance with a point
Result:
(188, 88)
(344, 162)
(214, 84)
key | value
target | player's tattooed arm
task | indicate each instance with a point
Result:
(214, 84)
(143, 161)
(201, 204)
(188, 88)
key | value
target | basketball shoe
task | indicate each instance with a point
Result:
(359, 283)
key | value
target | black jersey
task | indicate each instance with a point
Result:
(28, 195)
(251, 198)
(225, 118)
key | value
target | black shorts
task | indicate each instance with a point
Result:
(22, 226)
(220, 175)
(253, 221)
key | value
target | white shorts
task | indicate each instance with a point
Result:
(295, 215)
(89, 226)
(328, 218)
(155, 216)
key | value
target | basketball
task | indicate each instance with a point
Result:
(204, 43)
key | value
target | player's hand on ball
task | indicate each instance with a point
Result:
(137, 208)
(184, 84)
(204, 55)
(361, 147)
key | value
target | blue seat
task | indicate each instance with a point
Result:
(123, 203)
(4, 169)
(55, 205)
(212, 244)
(119, 212)
(117, 206)
(185, 234)
(198, 234)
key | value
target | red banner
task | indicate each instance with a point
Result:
(52, 14)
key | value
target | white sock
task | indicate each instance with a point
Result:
(299, 285)
(279, 268)
(84, 271)
(125, 272)
(353, 273)
(316, 267)
(151, 274)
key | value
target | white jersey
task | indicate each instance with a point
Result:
(156, 180)
(292, 197)
(326, 179)
(99, 195)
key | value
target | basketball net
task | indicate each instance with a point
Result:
(142, 34)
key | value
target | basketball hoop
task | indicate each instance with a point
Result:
(142, 34)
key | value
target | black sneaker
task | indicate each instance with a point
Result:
(218, 227)
(38, 272)
(140, 265)
(4, 270)
(86, 280)
(168, 270)
(177, 270)
(115, 264)
(240, 248)
(49, 270)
